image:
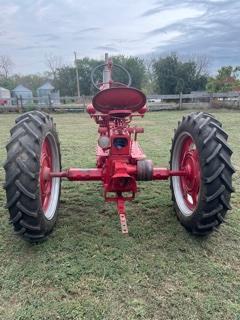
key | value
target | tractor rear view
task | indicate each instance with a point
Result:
(200, 169)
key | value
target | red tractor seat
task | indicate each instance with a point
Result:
(122, 98)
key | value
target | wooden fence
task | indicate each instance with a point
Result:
(195, 100)
(19, 104)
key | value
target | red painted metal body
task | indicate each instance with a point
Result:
(120, 161)
(46, 168)
(190, 183)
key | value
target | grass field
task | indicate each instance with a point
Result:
(88, 270)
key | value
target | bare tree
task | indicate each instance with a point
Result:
(202, 63)
(6, 65)
(149, 61)
(53, 63)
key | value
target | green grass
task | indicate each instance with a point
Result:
(88, 270)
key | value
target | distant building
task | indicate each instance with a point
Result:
(45, 90)
(47, 94)
(5, 96)
(22, 92)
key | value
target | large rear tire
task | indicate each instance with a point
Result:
(32, 198)
(202, 198)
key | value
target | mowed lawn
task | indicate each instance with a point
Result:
(88, 270)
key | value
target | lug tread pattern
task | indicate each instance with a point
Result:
(23, 167)
(11, 179)
(22, 179)
(17, 217)
(13, 199)
(214, 153)
(28, 150)
(26, 211)
(215, 175)
(15, 138)
(24, 190)
(28, 226)
(214, 212)
(20, 231)
(217, 171)
(30, 131)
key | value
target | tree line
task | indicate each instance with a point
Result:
(154, 75)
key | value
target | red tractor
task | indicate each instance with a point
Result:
(200, 167)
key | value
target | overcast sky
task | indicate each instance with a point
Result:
(30, 29)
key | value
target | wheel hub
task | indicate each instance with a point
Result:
(44, 176)
(190, 183)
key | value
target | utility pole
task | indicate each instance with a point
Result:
(77, 76)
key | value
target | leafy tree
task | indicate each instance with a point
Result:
(8, 83)
(173, 76)
(85, 67)
(66, 81)
(227, 79)
(135, 66)
(165, 73)
(66, 76)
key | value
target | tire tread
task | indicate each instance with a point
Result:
(21, 174)
(214, 153)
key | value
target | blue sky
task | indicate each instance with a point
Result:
(30, 30)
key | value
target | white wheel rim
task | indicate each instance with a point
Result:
(49, 212)
(176, 181)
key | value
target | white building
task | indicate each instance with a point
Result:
(5, 96)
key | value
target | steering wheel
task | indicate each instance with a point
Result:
(96, 85)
